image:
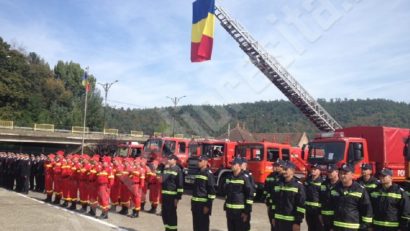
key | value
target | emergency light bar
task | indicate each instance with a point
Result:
(330, 135)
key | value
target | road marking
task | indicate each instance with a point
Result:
(75, 213)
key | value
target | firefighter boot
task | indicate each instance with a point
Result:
(124, 210)
(48, 199)
(92, 212)
(153, 209)
(104, 215)
(83, 208)
(135, 213)
(73, 205)
(57, 200)
(65, 204)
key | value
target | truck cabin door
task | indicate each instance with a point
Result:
(285, 154)
(216, 158)
(355, 156)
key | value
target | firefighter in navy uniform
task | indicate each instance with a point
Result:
(312, 187)
(290, 201)
(244, 167)
(172, 189)
(350, 203)
(367, 179)
(239, 197)
(270, 182)
(391, 205)
(203, 194)
(326, 212)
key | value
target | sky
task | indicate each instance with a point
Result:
(353, 49)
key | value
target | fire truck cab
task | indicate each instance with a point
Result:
(158, 148)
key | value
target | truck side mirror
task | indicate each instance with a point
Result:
(302, 153)
(407, 149)
(358, 155)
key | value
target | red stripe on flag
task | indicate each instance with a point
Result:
(202, 51)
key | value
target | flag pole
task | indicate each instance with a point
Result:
(85, 112)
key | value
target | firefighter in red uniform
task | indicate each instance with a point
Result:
(137, 181)
(65, 180)
(144, 187)
(83, 183)
(104, 182)
(57, 180)
(125, 187)
(48, 174)
(74, 182)
(154, 186)
(92, 185)
(116, 188)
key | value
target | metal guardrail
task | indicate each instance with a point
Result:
(81, 130)
(6, 124)
(137, 134)
(110, 131)
(44, 127)
(75, 130)
(179, 136)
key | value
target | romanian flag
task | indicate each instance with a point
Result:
(203, 24)
(85, 82)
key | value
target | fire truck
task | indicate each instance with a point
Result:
(260, 156)
(158, 148)
(129, 149)
(219, 152)
(380, 146)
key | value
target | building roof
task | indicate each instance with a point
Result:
(288, 138)
(238, 134)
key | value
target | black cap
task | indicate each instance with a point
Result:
(346, 168)
(386, 172)
(279, 162)
(244, 160)
(289, 164)
(332, 167)
(315, 165)
(203, 157)
(172, 157)
(237, 160)
(367, 167)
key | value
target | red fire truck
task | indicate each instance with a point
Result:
(380, 146)
(260, 156)
(220, 153)
(129, 149)
(158, 148)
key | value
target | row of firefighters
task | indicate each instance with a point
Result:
(335, 203)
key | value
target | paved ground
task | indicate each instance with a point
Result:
(21, 212)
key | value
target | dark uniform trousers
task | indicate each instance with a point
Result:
(313, 222)
(200, 220)
(327, 222)
(281, 225)
(235, 221)
(169, 212)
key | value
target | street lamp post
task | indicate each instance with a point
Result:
(106, 87)
(175, 101)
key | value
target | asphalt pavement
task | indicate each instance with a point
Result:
(29, 212)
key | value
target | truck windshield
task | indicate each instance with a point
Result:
(153, 145)
(213, 150)
(122, 151)
(193, 150)
(251, 152)
(326, 152)
(169, 147)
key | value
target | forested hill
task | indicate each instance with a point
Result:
(32, 92)
(264, 116)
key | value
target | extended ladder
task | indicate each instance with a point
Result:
(277, 74)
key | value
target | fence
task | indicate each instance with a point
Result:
(6, 124)
(78, 129)
(110, 131)
(44, 127)
(137, 134)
